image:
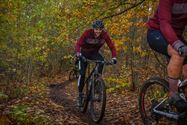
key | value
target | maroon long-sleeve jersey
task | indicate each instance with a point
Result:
(170, 18)
(89, 44)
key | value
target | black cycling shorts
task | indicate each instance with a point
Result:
(158, 43)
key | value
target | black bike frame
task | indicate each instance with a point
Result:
(94, 71)
(168, 115)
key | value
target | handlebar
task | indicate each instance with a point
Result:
(96, 61)
(99, 61)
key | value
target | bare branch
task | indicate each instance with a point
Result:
(117, 14)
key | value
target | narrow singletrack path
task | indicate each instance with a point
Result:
(121, 108)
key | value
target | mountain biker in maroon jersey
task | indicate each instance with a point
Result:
(165, 30)
(88, 46)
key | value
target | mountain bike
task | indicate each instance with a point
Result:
(95, 92)
(154, 106)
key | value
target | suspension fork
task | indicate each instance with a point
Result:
(93, 78)
(92, 86)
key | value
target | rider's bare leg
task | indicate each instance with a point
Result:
(185, 91)
(174, 69)
(184, 73)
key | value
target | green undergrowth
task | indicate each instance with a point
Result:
(115, 84)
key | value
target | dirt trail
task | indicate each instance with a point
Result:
(121, 108)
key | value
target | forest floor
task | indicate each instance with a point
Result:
(55, 104)
(121, 106)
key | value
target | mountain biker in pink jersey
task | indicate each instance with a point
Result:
(165, 35)
(88, 46)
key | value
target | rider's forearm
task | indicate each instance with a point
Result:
(77, 48)
(114, 53)
(166, 28)
(168, 32)
(110, 45)
(80, 42)
(165, 16)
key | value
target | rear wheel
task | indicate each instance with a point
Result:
(73, 75)
(98, 100)
(76, 74)
(152, 92)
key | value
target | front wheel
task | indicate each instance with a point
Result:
(98, 100)
(73, 75)
(85, 99)
(152, 92)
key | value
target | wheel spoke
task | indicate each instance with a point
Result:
(98, 101)
(85, 99)
(152, 93)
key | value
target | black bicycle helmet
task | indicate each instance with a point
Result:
(98, 24)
